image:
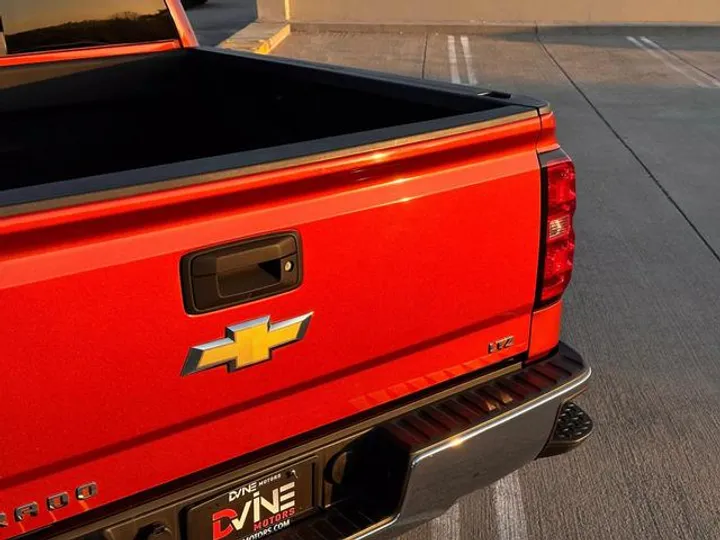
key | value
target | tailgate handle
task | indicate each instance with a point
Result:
(240, 272)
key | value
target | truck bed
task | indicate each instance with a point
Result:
(413, 215)
(221, 110)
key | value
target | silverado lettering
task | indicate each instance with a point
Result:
(53, 502)
(156, 195)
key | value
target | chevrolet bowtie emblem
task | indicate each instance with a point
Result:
(246, 344)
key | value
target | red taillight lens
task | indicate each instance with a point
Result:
(558, 247)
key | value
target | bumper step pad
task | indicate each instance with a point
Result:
(573, 426)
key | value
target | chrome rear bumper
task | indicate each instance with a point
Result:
(441, 472)
(389, 473)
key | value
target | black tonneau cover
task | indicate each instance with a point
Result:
(110, 127)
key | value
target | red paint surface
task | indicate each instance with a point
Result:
(89, 52)
(414, 259)
(545, 330)
(182, 23)
(547, 141)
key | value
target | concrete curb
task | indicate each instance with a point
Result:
(263, 37)
(413, 28)
(258, 37)
(481, 28)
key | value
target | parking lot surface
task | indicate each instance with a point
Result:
(640, 114)
(217, 20)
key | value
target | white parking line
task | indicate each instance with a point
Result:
(661, 50)
(467, 53)
(664, 60)
(452, 58)
(509, 509)
(447, 526)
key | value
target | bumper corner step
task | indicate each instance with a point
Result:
(572, 428)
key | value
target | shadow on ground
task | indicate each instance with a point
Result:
(217, 20)
(687, 38)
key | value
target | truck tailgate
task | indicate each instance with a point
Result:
(414, 257)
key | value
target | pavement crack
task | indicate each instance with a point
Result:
(634, 154)
(425, 50)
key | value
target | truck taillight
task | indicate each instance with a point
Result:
(558, 244)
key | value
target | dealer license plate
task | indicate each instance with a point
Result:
(255, 509)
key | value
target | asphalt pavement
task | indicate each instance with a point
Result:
(217, 20)
(640, 114)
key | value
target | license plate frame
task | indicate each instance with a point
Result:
(257, 507)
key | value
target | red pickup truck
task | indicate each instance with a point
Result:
(246, 296)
